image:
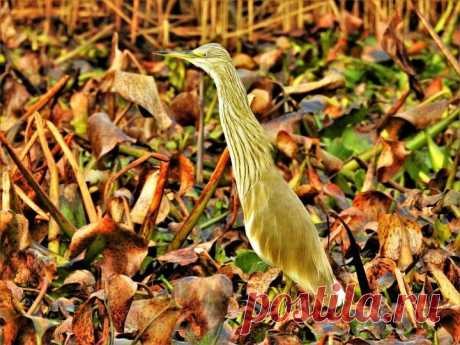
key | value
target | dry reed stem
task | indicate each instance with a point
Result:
(85, 194)
(65, 225)
(53, 226)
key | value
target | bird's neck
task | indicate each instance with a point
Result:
(250, 150)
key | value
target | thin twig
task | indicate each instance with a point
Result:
(450, 58)
(45, 98)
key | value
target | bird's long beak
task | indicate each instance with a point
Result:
(184, 54)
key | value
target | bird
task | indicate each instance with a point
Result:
(277, 224)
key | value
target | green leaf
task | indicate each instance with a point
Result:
(249, 262)
(437, 155)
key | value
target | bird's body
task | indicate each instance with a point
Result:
(277, 224)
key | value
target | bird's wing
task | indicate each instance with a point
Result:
(282, 234)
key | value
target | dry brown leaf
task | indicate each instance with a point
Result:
(261, 102)
(399, 238)
(424, 115)
(186, 175)
(142, 90)
(82, 324)
(391, 159)
(156, 316)
(286, 144)
(380, 273)
(124, 250)
(245, 61)
(120, 293)
(206, 299)
(186, 108)
(141, 207)
(8, 314)
(182, 256)
(372, 203)
(104, 135)
(330, 81)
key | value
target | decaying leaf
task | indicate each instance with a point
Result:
(286, 144)
(186, 108)
(155, 318)
(372, 203)
(82, 324)
(423, 115)
(391, 159)
(79, 103)
(380, 273)
(142, 90)
(141, 207)
(400, 238)
(330, 81)
(186, 174)
(104, 135)
(261, 102)
(124, 250)
(120, 292)
(206, 299)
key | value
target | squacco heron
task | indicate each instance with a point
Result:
(277, 224)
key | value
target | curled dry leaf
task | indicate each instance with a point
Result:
(84, 279)
(424, 115)
(206, 299)
(141, 207)
(261, 102)
(142, 90)
(120, 293)
(124, 250)
(380, 273)
(245, 61)
(372, 203)
(104, 135)
(391, 159)
(186, 175)
(330, 81)
(182, 256)
(286, 144)
(399, 238)
(155, 318)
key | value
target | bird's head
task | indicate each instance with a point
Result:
(207, 57)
